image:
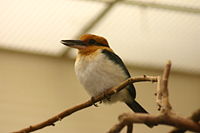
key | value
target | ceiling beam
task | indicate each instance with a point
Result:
(93, 23)
(111, 3)
(166, 6)
(179, 8)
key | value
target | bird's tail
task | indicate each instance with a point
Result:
(136, 107)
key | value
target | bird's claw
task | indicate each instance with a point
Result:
(107, 97)
(95, 105)
(93, 101)
(100, 101)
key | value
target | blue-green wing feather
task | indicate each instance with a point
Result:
(134, 105)
(116, 59)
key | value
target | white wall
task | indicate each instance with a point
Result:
(34, 88)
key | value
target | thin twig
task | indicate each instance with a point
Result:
(130, 128)
(117, 127)
(166, 106)
(158, 94)
(51, 121)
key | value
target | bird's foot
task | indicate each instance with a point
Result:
(101, 101)
(93, 101)
(107, 97)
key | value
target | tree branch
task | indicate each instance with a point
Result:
(171, 120)
(166, 116)
(194, 117)
(165, 105)
(130, 128)
(51, 121)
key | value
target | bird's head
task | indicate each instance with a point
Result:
(86, 41)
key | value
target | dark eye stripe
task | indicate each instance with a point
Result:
(94, 42)
(91, 41)
(101, 44)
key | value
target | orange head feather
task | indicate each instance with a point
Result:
(88, 43)
(91, 39)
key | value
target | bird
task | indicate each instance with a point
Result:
(99, 68)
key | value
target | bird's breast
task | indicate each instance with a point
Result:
(97, 73)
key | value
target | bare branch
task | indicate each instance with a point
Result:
(159, 94)
(166, 106)
(194, 117)
(162, 94)
(117, 127)
(166, 117)
(130, 128)
(171, 120)
(86, 104)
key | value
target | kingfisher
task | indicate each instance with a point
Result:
(98, 69)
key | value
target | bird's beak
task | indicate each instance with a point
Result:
(74, 43)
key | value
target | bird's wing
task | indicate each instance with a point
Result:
(116, 59)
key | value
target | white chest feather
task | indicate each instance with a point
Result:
(97, 73)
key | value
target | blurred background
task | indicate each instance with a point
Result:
(37, 78)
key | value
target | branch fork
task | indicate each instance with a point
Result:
(128, 119)
(166, 115)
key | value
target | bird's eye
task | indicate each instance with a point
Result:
(91, 41)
